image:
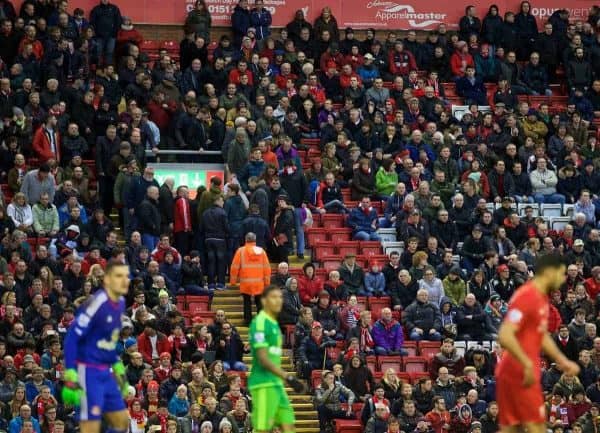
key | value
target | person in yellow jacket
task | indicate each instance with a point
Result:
(251, 268)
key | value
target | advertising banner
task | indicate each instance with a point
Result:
(380, 14)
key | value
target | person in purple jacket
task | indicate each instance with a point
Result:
(388, 335)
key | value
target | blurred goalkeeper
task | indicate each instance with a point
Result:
(95, 381)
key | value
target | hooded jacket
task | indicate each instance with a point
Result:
(388, 335)
(250, 266)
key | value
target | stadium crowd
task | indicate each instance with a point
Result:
(311, 122)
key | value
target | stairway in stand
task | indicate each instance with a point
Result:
(231, 302)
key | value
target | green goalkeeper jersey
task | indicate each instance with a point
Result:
(264, 333)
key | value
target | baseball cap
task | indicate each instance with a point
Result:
(578, 243)
(369, 56)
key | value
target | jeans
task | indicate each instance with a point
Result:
(385, 223)
(106, 49)
(237, 366)
(248, 306)
(299, 231)
(521, 199)
(366, 236)
(149, 241)
(196, 290)
(383, 351)
(216, 253)
(436, 336)
(335, 206)
(549, 198)
(470, 264)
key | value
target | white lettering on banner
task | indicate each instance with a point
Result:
(394, 11)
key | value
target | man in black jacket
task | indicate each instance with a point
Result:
(294, 182)
(422, 319)
(148, 213)
(216, 229)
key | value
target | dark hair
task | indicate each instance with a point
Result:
(270, 289)
(548, 261)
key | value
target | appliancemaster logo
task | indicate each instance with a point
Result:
(392, 11)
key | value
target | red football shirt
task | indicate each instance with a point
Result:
(528, 310)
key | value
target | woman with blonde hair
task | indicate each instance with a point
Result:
(392, 385)
(13, 407)
(95, 276)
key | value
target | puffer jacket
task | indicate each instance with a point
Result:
(45, 218)
(388, 335)
(422, 315)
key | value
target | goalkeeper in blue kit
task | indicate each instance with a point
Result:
(95, 381)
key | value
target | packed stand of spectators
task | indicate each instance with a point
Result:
(298, 115)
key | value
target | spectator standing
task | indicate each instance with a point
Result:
(37, 182)
(149, 218)
(46, 140)
(182, 221)
(251, 267)
(105, 19)
(240, 21)
(216, 231)
(199, 21)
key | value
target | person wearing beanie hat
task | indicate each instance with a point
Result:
(164, 304)
(374, 280)
(163, 371)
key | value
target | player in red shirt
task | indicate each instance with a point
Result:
(524, 336)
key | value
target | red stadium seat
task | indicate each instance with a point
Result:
(149, 46)
(323, 249)
(428, 349)
(385, 362)
(415, 364)
(332, 221)
(378, 304)
(331, 263)
(348, 247)
(172, 47)
(316, 378)
(415, 376)
(289, 335)
(314, 235)
(371, 363)
(340, 235)
(410, 347)
(347, 426)
(404, 377)
(370, 248)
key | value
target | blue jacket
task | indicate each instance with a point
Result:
(31, 391)
(16, 424)
(358, 221)
(252, 168)
(178, 407)
(374, 282)
(390, 337)
(473, 91)
(240, 22)
(414, 150)
(261, 20)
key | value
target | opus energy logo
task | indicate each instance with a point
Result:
(389, 11)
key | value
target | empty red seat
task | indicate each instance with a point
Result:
(314, 235)
(295, 272)
(378, 304)
(370, 248)
(331, 263)
(416, 375)
(289, 335)
(316, 378)
(392, 361)
(404, 377)
(410, 347)
(378, 375)
(170, 46)
(429, 349)
(322, 274)
(148, 46)
(372, 363)
(348, 247)
(415, 364)
(332, 221)
(323, 249)
(310, 141)
(347, 426)
(205, 317)
(338, 235)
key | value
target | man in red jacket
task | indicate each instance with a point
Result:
(182, 221)
(152, 343)
(401, 61)
(46, 140)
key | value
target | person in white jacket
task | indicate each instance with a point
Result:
(20, 213)
(543, 183)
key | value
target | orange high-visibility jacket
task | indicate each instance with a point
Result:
(251, 267)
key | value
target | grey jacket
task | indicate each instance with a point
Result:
(331, 397)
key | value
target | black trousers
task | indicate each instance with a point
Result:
(182, 242)
(216, 252)
(326, 415)
(248, 306)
